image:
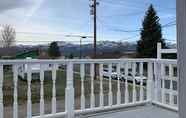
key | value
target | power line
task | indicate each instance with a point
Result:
(49, 41)
(54, 34)
(131, 14)
(170, 24)
(127, 14)
(132, 37)
(44, 33)
(121, 3)
(109, 27)
(138, 4)
(111, 3)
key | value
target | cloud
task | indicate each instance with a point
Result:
(6, 5)
(33, 10)
(18, 11)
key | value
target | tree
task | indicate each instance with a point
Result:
(53, 50)
(8, 36)
(151, 34)
(71, 56)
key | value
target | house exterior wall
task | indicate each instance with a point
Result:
(181, 44)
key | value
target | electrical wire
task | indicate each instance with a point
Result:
(109, 27)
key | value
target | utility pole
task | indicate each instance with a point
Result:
(93, 12)
(80, 42)
(80, 50)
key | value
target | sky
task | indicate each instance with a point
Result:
(43, 21)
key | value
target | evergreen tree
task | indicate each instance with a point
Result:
(71, 56)
(151, 34)
(53, 50)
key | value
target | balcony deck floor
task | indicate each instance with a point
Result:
(149, 111)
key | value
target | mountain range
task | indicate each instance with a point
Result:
(103, 47)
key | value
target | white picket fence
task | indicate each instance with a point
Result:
(157, 84)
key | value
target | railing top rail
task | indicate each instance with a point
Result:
(64, 61)
(70, 60)
(173, 61)
(161, 51)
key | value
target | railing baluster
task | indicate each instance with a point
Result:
(101, 84)
(171, 84)
(163, 83)
(110, 85)
(141, 82)
(92, 98)
(15, 106)
(41, 90)
(29, 102)
(82, 74)
(1, 91)
(126, 84)
(119, 91)
(54, 69)
(134, 82)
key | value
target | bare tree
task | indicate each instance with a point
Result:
(8, 36)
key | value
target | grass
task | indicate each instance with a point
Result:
(35, 88)
(8, 87)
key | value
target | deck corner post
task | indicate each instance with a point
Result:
(159, 46)
(156, 81)
(69, 92)
(149, 82)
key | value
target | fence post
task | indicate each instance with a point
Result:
(159, 50)
(69, 92)
(149, 82)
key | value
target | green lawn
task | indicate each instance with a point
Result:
(60, 87)
(35, 88)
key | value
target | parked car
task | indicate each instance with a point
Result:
(114, 76)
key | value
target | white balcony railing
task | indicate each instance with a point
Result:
(136, 82)
(166, 84)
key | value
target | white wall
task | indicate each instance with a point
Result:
(181, 45)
